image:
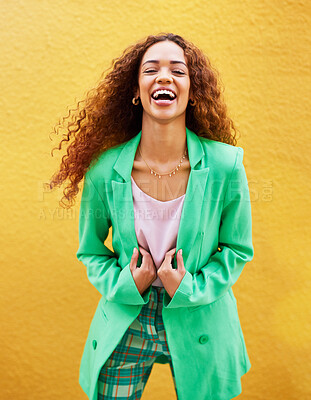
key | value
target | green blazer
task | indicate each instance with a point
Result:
(202, 325)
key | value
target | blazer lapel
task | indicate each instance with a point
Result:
(193, 201)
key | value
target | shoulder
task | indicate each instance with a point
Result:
(221, 155)
(101, 168)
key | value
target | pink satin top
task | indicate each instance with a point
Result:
(156, 224)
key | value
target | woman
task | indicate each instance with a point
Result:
(160, 164)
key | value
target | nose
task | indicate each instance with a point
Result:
(164, 77)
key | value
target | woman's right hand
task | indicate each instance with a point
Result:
(146, 273)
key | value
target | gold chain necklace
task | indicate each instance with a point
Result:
(153, 172)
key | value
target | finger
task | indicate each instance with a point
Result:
(145, 255)
(134, 258)
(170, 252)
(143, 251)
(180, 261)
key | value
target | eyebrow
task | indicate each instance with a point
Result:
(171, 62)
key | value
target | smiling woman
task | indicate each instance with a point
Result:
(164, 81)
(157, 153)
(164, 95)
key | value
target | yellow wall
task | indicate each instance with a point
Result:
(52, 51)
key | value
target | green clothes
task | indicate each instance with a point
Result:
(203, 330)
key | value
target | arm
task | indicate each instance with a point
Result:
(235, 240)
(113, 283)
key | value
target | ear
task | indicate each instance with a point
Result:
(190, 95)
(137, 93)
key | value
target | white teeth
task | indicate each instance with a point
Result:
(158, 92)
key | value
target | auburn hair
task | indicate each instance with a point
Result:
(107, 116)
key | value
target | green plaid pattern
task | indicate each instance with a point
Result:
(125, 373)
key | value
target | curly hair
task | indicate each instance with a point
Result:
(107, 117)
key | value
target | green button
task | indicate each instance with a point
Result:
(203, 339)
(94, 344)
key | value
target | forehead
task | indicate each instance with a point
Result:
(164, 51)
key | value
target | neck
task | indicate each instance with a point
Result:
(163, 144)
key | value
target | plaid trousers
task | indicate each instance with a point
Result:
(126, 371)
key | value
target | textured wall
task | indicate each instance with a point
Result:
(51, 53)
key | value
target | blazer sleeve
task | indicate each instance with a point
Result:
(224, 267)
(113, 283)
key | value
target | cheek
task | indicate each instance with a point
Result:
(144, 90)
(188, 87)
(185, 88)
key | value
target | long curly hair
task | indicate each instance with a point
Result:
(107, 116)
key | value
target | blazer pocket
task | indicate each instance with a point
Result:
(195, 308)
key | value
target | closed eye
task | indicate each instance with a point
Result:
(175, 71)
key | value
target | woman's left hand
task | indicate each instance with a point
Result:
(169, 276)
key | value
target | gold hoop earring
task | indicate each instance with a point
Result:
(135, 101)
(192, 102)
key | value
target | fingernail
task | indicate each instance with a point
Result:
(135, 250)
(180, 251)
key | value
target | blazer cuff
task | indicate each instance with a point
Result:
(182, 294)
(126, 291)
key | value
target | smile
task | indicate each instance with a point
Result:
(163, 102)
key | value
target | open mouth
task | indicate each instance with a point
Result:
(163, 102)
(163, 97)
